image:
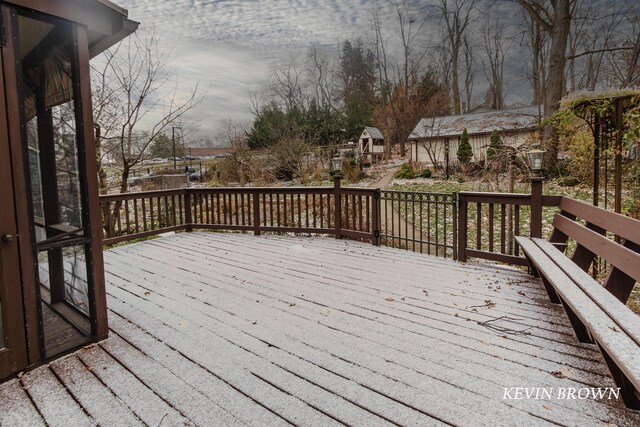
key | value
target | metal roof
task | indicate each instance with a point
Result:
(525, 118)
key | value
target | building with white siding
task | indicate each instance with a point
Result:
(434, 136)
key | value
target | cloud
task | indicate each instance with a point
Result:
(228, 46)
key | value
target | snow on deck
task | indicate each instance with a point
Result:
(233, 329)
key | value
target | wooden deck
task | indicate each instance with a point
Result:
(232, 329)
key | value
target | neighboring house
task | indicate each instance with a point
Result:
(432, 136)
(371, 145)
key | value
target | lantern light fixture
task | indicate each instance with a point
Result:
(536, 159)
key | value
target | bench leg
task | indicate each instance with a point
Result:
(627, 390)
(553, 296)
(582, 333)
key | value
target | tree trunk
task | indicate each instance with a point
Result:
(555, 81)
(455, 86)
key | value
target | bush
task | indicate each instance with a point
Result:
(568, 181)
(405, 172)
(495, 146)
(426, 173)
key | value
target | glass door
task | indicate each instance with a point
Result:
(48, 87)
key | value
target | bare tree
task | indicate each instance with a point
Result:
(410, 28)
(469, 70)
(456, 15)
(322, 71)
(384, 83)
(538, 46)
(554, 18)
(495, 51)
(287, 85)
(234, 133)
(625, 61)
(137, 100)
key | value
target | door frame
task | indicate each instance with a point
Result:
(16, 255)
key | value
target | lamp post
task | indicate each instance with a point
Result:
(336, 166)
(536, 160)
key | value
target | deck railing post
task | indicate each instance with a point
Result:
(187, 210)
(536, 206)
(256, 214)
(462, 228)
(337, 195)
(375, 217)
(455, 226)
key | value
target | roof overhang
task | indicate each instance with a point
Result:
(106, 22)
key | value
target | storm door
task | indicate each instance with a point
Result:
(46, 53)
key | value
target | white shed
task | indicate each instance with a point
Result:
(371, 145)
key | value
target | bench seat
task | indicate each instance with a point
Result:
(596, 315)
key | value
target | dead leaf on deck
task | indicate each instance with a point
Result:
(562, 373)
(87, 347)
(389, 299)
(147, 293)
(548, 408)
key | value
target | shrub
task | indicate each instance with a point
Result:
(405, 172)
(495, 145)
(465, 152)
(426, 173)
(568, 181)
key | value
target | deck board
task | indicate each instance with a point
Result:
(233, 329)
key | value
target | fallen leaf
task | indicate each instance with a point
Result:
(562, 373)
(147, 293)
(548, 408)
(389, 299)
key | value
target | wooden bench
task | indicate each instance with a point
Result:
(597, 312)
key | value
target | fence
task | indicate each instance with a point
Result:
(282, 210)
(488, 222)
(421, 222)
(458, 226)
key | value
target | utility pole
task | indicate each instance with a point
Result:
(173, 138)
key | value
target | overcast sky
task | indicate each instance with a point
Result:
(228, 46)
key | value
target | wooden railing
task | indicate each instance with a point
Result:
(282, 210)
(488, 222)
(460, 226)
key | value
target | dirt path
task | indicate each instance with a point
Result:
(386, 179)
(394, 224)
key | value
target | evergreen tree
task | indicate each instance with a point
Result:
(465, 152)
(162, 146)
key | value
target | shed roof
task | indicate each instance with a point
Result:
(525, 118)
(373, 132)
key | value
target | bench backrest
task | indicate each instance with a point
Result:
(623, 254)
